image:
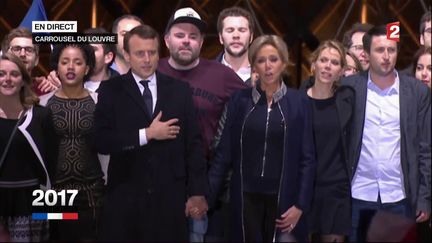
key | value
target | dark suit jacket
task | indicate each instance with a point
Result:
(415, 124)
(149, 182)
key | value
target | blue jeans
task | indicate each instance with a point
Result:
(363, 211)
(197, 229)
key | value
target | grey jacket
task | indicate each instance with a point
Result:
(415, 127)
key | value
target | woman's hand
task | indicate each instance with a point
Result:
(289, 219)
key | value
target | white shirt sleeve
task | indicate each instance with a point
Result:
(142, 137)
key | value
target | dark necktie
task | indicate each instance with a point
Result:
(147, 95)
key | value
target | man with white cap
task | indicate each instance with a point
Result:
(212, 83)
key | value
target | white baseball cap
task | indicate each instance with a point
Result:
(186, 15)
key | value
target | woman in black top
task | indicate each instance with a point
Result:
(332, 107)
(27, 153)
(78, 166)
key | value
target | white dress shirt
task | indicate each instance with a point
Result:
(153, 88)
(92, 85)
(379, 170)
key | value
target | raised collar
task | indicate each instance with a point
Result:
(256, 95)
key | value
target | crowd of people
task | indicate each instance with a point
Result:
(183, 148)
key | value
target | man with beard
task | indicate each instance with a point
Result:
(212, 83)
(236, 28)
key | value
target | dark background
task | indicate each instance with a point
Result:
(302, 23)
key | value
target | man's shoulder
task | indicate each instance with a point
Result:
(170, 80)
(116, 80)
(409, 79)
(416, 85)
(113, 84)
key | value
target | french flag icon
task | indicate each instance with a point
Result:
(55, 216)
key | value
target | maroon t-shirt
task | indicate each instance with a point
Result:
(212, 85)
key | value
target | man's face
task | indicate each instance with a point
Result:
(143, 56)
(425, 37)
(236, 35)
(383, 55)
(184, 42)
(102, 59)
(27, 52)
(357, 49)
(124, 26)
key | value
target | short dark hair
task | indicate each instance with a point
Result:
(375, 31)
(100, 30)
(425, 18)
(235, 12)
(126, 16)
(143, 31)
(86, 49)
(15, 33)
(356, 27)
(420, 52)
(105, 46)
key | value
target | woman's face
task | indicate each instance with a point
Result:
(11, 80)
(72, 66)
(328, 66)
(350, 68)
(423, 69)
(269, 65)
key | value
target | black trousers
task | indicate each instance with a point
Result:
(259, 216)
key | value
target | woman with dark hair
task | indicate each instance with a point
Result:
(353, 64)
(332, 106)
(422, 65)
(267, 141)
(78, 166)
(28, 151)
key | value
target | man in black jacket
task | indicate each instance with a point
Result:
(146, 121)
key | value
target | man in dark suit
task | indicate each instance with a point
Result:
(157, 173)
(391, 138)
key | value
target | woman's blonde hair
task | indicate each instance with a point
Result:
(338, 47)
(273, 40)
(27, 96)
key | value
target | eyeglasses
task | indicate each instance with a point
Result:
(357, 47)
(17, 49)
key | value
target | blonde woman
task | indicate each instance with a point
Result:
(267, 140)
(332, 109)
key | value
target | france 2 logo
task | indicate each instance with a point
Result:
(393, 31)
